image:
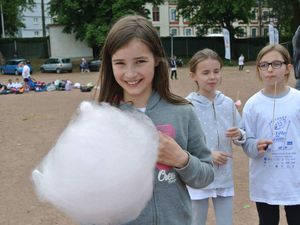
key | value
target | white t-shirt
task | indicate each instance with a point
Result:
(275, 176)
(241, 60)
(25, 72)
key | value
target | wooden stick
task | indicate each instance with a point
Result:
(273, 117)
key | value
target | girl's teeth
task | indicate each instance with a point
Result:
(132, 82)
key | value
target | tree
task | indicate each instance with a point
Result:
(90, 20)
(216, 14)
(286, 13)
(11, 15)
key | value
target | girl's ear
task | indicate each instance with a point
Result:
(192, 75)
(288, 68)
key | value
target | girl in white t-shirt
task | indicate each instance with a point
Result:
(271, 120)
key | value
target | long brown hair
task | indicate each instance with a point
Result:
(123, 31)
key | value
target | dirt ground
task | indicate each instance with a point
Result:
(31, 123)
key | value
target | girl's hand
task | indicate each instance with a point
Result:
(170, 153)
(220, 158)
(233, 133)
(262, 145)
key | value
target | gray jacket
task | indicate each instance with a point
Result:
(170, 203)
(215, 118)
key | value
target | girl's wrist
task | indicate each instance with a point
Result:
(183, 159)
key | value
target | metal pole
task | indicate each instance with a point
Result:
(2, 22)
(172, 45)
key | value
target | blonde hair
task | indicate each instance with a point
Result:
(269, 48)
(202, 55)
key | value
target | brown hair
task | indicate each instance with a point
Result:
(202, 55)
(273, 47)
(123, 31)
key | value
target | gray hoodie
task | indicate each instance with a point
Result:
(170, 203)
(216, 117)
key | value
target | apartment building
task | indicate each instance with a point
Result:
(167, 21)
(33, 20)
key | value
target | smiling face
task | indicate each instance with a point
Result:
(133, 68)
(207, 75)
(271, 75)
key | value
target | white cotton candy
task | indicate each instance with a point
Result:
(101, 169)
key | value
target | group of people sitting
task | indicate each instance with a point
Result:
(16, 87)
(31, 84)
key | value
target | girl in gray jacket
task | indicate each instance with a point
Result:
(134, 76)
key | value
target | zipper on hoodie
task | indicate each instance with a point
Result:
(215, 117)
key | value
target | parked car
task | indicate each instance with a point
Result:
(94, 65)
(179, 62)
(57, 65)
(12, 66)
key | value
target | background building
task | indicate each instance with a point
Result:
(168, 22)
(33, 20)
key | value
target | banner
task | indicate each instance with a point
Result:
(271, 34)
(276, 36)
(226, 43)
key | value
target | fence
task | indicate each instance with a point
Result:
(33, 48)
(188, 46)
(29, 48)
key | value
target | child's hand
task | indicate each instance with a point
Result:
(170, 153)
(262, 146)
(220, 158)
(233, 133)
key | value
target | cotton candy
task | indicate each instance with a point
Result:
(101, 169)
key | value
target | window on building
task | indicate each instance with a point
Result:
(186, 18)
(188, 32)
(253, 32)
(243, 33)
(253, 14)
(266, 30)
(35, 20)
(265, 15)
(155, 13)
(173, 14)
(36, 33)
(216, 30)
(158, 30)
(174, 31)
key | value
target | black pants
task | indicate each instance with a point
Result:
(174, 74)
(269, 214)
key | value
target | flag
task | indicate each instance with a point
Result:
(271, 34)
(276, 36)
(227, 43)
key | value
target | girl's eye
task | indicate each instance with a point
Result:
(118, 63)
(141, 61)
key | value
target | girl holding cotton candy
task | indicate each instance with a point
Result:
(219, 119)
(134, 76)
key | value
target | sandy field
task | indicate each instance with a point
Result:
(31, 123)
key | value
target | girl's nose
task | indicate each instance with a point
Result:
(212, 75)
(130, 72)
(270, 68)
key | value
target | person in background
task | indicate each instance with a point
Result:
(241, 62)
(219, 120)
(84, 66)
(134, 76)
(25, 75)
(173, 68)
(271, 119)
